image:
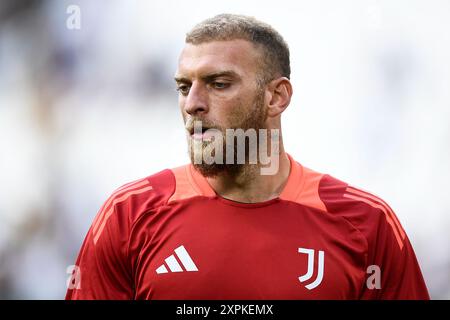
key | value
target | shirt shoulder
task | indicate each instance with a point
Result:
(127, 203)
(366, 211)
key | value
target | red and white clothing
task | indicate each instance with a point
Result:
(170, 236)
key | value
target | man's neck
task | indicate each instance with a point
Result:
(250, 186)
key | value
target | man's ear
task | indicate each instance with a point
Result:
(278, 94)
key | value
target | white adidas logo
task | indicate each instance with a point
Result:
(173, 264)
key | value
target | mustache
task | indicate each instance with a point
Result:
(191, 122)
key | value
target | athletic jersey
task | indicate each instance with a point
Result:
(170, 236)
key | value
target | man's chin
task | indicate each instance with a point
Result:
(215, 169)
(208, 170)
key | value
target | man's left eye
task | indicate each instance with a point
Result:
(220, 85)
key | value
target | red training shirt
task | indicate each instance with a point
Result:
(170, 236)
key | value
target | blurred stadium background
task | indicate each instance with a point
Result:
(83, 111)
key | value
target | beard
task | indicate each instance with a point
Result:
(253, 118)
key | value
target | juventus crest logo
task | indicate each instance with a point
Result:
(309, 273)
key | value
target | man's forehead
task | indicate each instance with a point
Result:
(237, 55)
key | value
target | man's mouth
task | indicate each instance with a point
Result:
(192, 130)
(203, 134)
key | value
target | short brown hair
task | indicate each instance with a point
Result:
(222, 27)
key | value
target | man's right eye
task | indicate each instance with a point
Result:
(183, 89)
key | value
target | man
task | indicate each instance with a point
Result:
(233, 224)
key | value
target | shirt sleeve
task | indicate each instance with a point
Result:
(102, 269)
(393, 271)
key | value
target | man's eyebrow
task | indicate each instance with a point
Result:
(214, 75)
(181, 79)
(209, 77)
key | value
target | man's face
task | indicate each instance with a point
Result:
(217, 84)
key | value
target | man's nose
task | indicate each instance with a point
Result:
(197, 100)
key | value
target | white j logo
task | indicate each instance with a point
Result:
(309, 272)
